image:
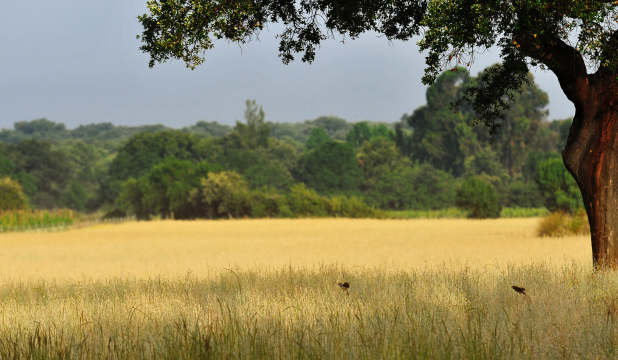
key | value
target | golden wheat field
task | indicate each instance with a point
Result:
(267, 289)
(170, 248)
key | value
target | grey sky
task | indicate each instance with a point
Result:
(78, 62)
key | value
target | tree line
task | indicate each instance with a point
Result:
(431, 159)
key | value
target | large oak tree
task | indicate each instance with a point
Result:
(575, 39)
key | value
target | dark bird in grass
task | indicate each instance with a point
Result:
(520, 290)
(344, 286)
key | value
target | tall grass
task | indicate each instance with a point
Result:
(298, 313)
(20, 220)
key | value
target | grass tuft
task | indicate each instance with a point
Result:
(560, 224)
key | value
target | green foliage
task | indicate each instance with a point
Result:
(318, 137)
(378, 155)
(267, 203)
(11, 195)
(255, 132)
(305, 202)
(352, 207)
(75, 197)
(224, 193)
(143, 151)
(440, 137)
(524, 194)
(208, 129)
(559, 189)
(404, 187)
(330, 168)
(485, 165)
(478, 198)
(24, 220)
(519, 212)
(362, 131)
(446, 213)
(171, 188)
(49, 167)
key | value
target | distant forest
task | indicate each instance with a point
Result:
(431, 159)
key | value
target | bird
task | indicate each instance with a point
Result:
(520, 290)
(344, 286)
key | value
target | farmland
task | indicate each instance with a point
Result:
(267, 289)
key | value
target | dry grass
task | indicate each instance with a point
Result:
(267, 289)
(171, 248)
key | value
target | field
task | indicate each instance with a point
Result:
(267, 289)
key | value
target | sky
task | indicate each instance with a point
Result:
(78, 62)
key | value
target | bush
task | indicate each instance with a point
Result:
(353, 207)
(559, 224)
(11, 195)
(267, 203)
(478, 198)
(305, 202)
(115, 214)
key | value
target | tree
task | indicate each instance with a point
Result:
(362, 131)
(255, 132)
(224, 193)
(330, 168)
(478, 198)
(11, 195)
(318, 137)
(38, 163)
(559, 189)
(145, 150)
(563, 37)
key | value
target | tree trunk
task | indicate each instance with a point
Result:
(591, 156)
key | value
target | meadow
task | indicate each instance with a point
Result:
(247, 289)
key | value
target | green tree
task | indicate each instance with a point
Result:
(49, 167)
(567, 38)
(173, 187)
(255, 132)
(75, 197)
(318, 137)
(478, 198)
(404, 187)
(362, 131)
(225, 193)
(441, 137)
(330, 168)
(559, 189)
(11, 195)
(145, 150)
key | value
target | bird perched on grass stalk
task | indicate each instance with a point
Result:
(520, 290)
(344, 286)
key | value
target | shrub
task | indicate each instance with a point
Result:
(305, 202)
(353, 207)
(559, 224)
(267, 203)
(114, 214)
(478, 198)
(11, 195)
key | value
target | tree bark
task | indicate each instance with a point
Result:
(591, 156)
